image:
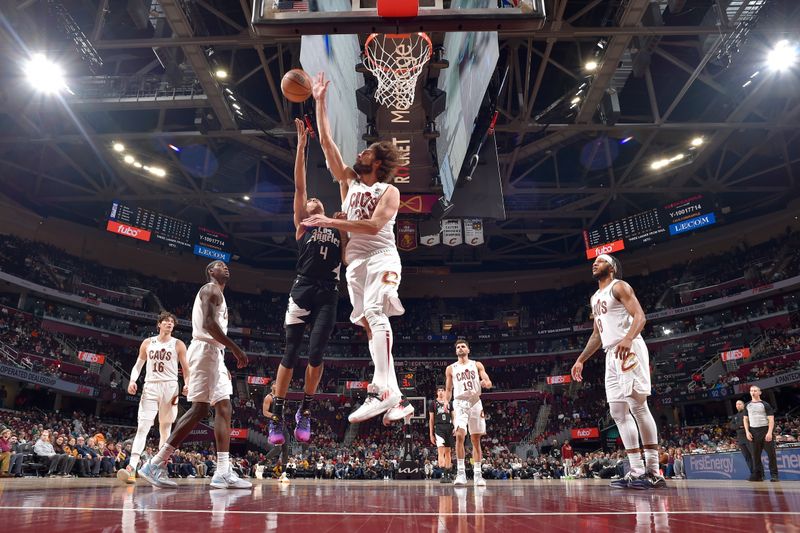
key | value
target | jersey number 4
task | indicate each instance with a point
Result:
(323, 251)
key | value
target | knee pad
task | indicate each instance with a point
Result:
(377, 319)
(294, 337)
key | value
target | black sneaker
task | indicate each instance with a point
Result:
(642, 482)
(774, 478)
(657, 481)
(623, 482)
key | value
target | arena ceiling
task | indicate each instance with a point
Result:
(142, 73)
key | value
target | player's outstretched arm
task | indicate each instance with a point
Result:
(181, 349)
(210, 300)
(137, 367)
(266, 405)
(386, 209)
(343, 236)
(592, 345)
(624, 293)
(486, 383)
(300, 194)
(333, 158)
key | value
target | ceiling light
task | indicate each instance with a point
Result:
(655, 165)
(245, 198)
(698, 141)
(137, 164)
(674, 158)
(783, 56)
(129, 159)
(745, 84)
(174, 148)
(119, 147)
(575, 100)
(44, 75)
(228, 91)
(590, 66)
(221, 74)
(626, 140)
(157, 171)
(236, 106)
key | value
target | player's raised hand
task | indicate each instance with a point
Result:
(302, 133)
(320, 87)
(577, 371)
(340, 215)
(486, 383)
(241, 357)
(132, 388)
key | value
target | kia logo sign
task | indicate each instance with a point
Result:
(128, 231)
(408, 470)
(608, 248)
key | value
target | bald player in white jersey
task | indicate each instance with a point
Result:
(618, 323)
(465, 380)
(159, 356)
(373, 264)
(209, 384)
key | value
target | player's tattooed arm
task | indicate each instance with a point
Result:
(624, 293)
(210, 300)
(592, 345)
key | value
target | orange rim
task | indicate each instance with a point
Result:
(397, 36)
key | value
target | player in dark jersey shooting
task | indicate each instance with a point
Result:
(312, 301)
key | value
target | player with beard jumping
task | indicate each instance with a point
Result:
(618, 323)
(373, 264)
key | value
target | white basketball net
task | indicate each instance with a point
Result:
(396, 61)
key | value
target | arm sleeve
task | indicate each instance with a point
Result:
(137, 368)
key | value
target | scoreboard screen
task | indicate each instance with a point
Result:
(408, 380)
(647, 227)
(151, 226)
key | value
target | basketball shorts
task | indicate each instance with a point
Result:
(159, 397)
(624, 377)
(310, 300)
(468, 414)
(444, 436)
(373, 282)
(209, 381)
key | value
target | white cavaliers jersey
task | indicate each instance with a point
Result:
(162, 360)
(198, 330)
(612, 319)
(360, 204)
(466, 381)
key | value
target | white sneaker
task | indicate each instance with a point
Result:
(284, 478)
(402, 410)
(229, 480)
(461, 478)
(156, 475)
(376, 403)
(478, 480)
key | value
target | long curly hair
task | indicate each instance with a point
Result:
(387, 154)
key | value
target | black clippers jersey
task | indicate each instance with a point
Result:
(320, 254)
(441, 416)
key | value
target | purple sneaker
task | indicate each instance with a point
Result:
(276, 431)
(303, 430)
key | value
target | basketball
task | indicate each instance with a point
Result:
(296, 85)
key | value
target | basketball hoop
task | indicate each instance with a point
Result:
(396, 61)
